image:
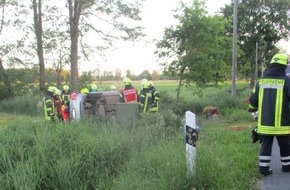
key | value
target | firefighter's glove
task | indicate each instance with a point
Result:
(255, 136)
(252, 110)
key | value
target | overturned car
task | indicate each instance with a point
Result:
(104, 103)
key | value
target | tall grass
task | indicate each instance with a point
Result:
(147, 153)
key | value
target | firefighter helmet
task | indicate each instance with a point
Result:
(94, 87)
(57, 91)
(85, 91)
(65, 87)
(51, 89)
(146, 85)
(280, 58)
(113, 87)
(127, 81)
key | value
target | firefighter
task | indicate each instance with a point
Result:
(145, 97)
(129, 93)
(58, 103)
(48, 104)
(271, 97)
(113, 88)
(93, 88)
(85, 91)
(142, 82)
(154, 104)
(65, 98)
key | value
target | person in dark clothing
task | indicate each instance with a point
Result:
(48, 104)
(145, 98)
(271, 97)
(154, 104)
(65, 99)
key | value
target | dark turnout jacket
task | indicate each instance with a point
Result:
(271, 97)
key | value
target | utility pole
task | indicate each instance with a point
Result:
(256, 62)
(234, 60)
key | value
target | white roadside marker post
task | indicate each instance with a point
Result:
(191, 136)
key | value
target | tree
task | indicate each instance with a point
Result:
(118, 74)
(37, 16)
(155, 75)
(262, 23)
(145, 74)
(129, 73)
(113, 13)
(198, 47)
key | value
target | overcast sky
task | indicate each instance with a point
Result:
(157, 15)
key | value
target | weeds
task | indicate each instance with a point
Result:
(148, 153)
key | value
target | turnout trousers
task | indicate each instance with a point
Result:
(266, 151)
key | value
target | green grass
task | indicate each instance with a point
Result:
(149, 153)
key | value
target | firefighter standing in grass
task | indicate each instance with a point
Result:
(58, 103)
(271, 98)
(65, 98)
(129, 93)
(48, 104)
(142, 83)
(154, 104)
(145, 97)
(93, 88)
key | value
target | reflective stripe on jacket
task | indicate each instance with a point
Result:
(49, 108)
(145, 100)
(155, 100)
(129, 95)
(271, 97)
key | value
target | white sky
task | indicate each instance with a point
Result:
(157, 15)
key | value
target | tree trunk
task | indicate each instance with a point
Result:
(178, 89)
(253, 81)
(74, 16)
(39, 33)
(180, 81)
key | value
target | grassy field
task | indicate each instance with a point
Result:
(146, 154)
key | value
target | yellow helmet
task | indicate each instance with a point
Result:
(85, 91)
(65, 87)
(113, 87)
(280, 58)
(51, 89)
(146, 85)
(127, 81)
(57, 92)
(143, 81)
(94, 87)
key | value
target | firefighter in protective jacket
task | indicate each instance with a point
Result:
(145, 97)
(271, 97)
(154, 104)
(129, 93)
(65, 98)
(48, 104)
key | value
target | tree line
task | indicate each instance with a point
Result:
(198, 50)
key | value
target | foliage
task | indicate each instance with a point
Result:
(261, 23)
(197, 43)
(24, 105)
